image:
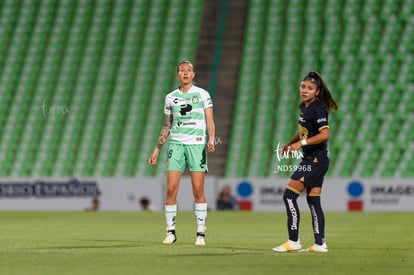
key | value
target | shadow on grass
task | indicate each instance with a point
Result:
(208, 250)
(214, 250)
(100, 244)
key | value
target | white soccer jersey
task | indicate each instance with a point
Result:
(187, 109)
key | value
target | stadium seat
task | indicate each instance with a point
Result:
(97, 60)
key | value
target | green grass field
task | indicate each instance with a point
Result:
(237, 243)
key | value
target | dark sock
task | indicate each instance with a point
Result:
(293, 214)
(318, 218)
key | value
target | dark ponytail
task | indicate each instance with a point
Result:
(324, 93)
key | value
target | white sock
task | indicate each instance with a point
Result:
(170, 213)
(201, 215)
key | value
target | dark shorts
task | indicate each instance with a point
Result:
(312, 169)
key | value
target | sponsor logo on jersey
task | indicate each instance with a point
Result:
(323, 119)
(180, 123)
(177, 100)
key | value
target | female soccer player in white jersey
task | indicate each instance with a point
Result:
(312, 137)
(188, 113)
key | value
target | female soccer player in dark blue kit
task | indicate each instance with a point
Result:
(312, 137)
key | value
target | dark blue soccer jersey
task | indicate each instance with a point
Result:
(312, 120)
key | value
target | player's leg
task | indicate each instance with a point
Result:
(292, 192)
(175, 168)
(313, 198)
(197, 181)
(173, 181)
(318, 220)
(197, 164)
(200, 207)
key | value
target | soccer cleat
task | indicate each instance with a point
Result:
(318, 248)
(201, 239)
(170, 238)
(288, 246)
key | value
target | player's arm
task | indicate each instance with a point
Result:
(294, 139)
(165, 132)
(211, 129)
(321, 137)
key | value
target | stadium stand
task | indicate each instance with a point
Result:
(80, 92)
(83, 83)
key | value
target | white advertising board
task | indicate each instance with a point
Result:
(252, 194)
(121, 194)
(337, 194)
